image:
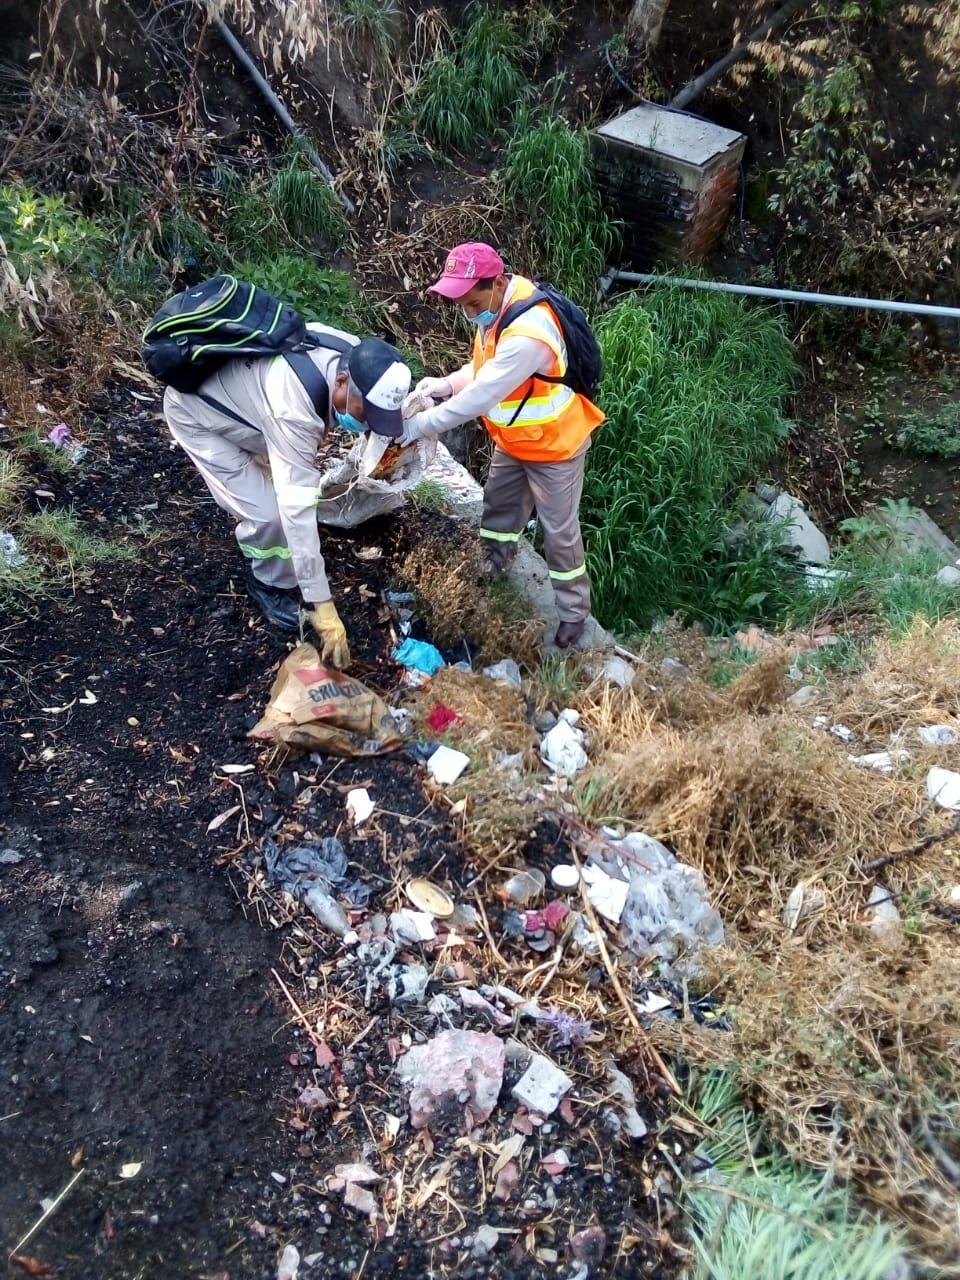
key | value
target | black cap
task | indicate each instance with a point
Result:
(381, 375)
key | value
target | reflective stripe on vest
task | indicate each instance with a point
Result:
(265, 553)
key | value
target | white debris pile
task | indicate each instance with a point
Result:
(665, 908)
(562, 748)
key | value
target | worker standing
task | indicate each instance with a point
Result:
(540, 425)
(252, 429)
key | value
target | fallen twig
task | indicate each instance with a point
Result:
(47, 1213)
(927, 842)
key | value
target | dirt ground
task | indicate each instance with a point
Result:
(148, 1047)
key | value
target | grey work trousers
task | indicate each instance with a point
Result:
(241, 486)
(514, 489)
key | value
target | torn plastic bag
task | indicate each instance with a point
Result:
(371, 480)
(294, 867)
(322, 709)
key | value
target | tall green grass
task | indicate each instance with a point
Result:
(293, 207)
(695, 386)
(465, 95)
(757, 1214)
(547, 177)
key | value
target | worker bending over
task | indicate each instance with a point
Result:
(252, 430)
(541, 428)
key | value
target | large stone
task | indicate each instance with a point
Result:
(542, 1086)
(456, 1075)
(798, 530)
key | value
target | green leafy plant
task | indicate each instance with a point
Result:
(830, 148)
(694, 390)
(370, 22)
(934, 434)
(42, 231)
(318, 293)
(463, 97)
(547, 177)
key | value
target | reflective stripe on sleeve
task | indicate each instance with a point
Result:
(265, 553)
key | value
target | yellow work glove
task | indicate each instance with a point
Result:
(332, 633)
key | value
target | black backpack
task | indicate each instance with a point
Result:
(584, 358)
(197, 331)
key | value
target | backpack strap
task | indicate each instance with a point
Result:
(309, 376)
(514, 312)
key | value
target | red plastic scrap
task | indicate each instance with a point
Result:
(548, 917)
(441, 718)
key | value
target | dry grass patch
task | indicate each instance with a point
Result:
(447, 576)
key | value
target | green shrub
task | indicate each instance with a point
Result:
(694, 388)
(463, 97)
(548, 178)
(934, 434)
(41, 231)
(318, 293)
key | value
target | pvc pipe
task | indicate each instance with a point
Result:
(783, 295)
(696, 86)
(279, 110)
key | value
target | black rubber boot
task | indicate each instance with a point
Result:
(568, 633)
(280, 608)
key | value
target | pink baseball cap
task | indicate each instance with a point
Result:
(465, 265)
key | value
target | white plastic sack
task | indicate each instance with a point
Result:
(349, 498)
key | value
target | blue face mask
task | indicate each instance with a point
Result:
(484, 318)
(349, 423)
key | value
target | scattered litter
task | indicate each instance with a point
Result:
(9, 857)
(804, 901)
(620, 1085)
(399, 597)
(607, 895)
(485, 1240)
(322, 709)
(882, 761)
(561, 748)
(420, 655)
(938, 735)
(453, 1069)
(61, 437)
(408, 985)
(131, 1170)
(410, 927)
(542, 1086)
(842, 732)
(884, 923)
(11, 557)
(566, 1030)
(509, 762)
(442, 718)
(369, 553)
(582, 935)
(804, 696)
(507, 671)
(446, 765)
(309, 872)
(524, 887)
(359, 806)
(289, 1265)
(652, 1003)
(565, 875)
(430, 898)
(943, 787)
(666, 905)
(615, 669)
(556, 1163)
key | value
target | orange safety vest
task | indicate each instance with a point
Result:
(555, 422)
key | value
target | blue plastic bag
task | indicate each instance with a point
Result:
(419, 654)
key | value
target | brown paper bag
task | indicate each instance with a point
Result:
(322, 709)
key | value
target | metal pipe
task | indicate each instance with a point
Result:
(706, 78)
(783, 295)
(279, 110)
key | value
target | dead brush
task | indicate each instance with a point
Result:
(447, 576)
(492, 715)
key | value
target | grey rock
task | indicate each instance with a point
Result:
(542, 1086)
(674, 670)
(804, 696)
(9, 857)
(454, 1070)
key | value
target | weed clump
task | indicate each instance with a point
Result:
(548, 178)
(463, 97)
(694, 390)
(447, 576)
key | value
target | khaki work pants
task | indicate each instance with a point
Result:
(239, 481)
(514, 489)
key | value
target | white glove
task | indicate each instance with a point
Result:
(417, 428)
(436, 388)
